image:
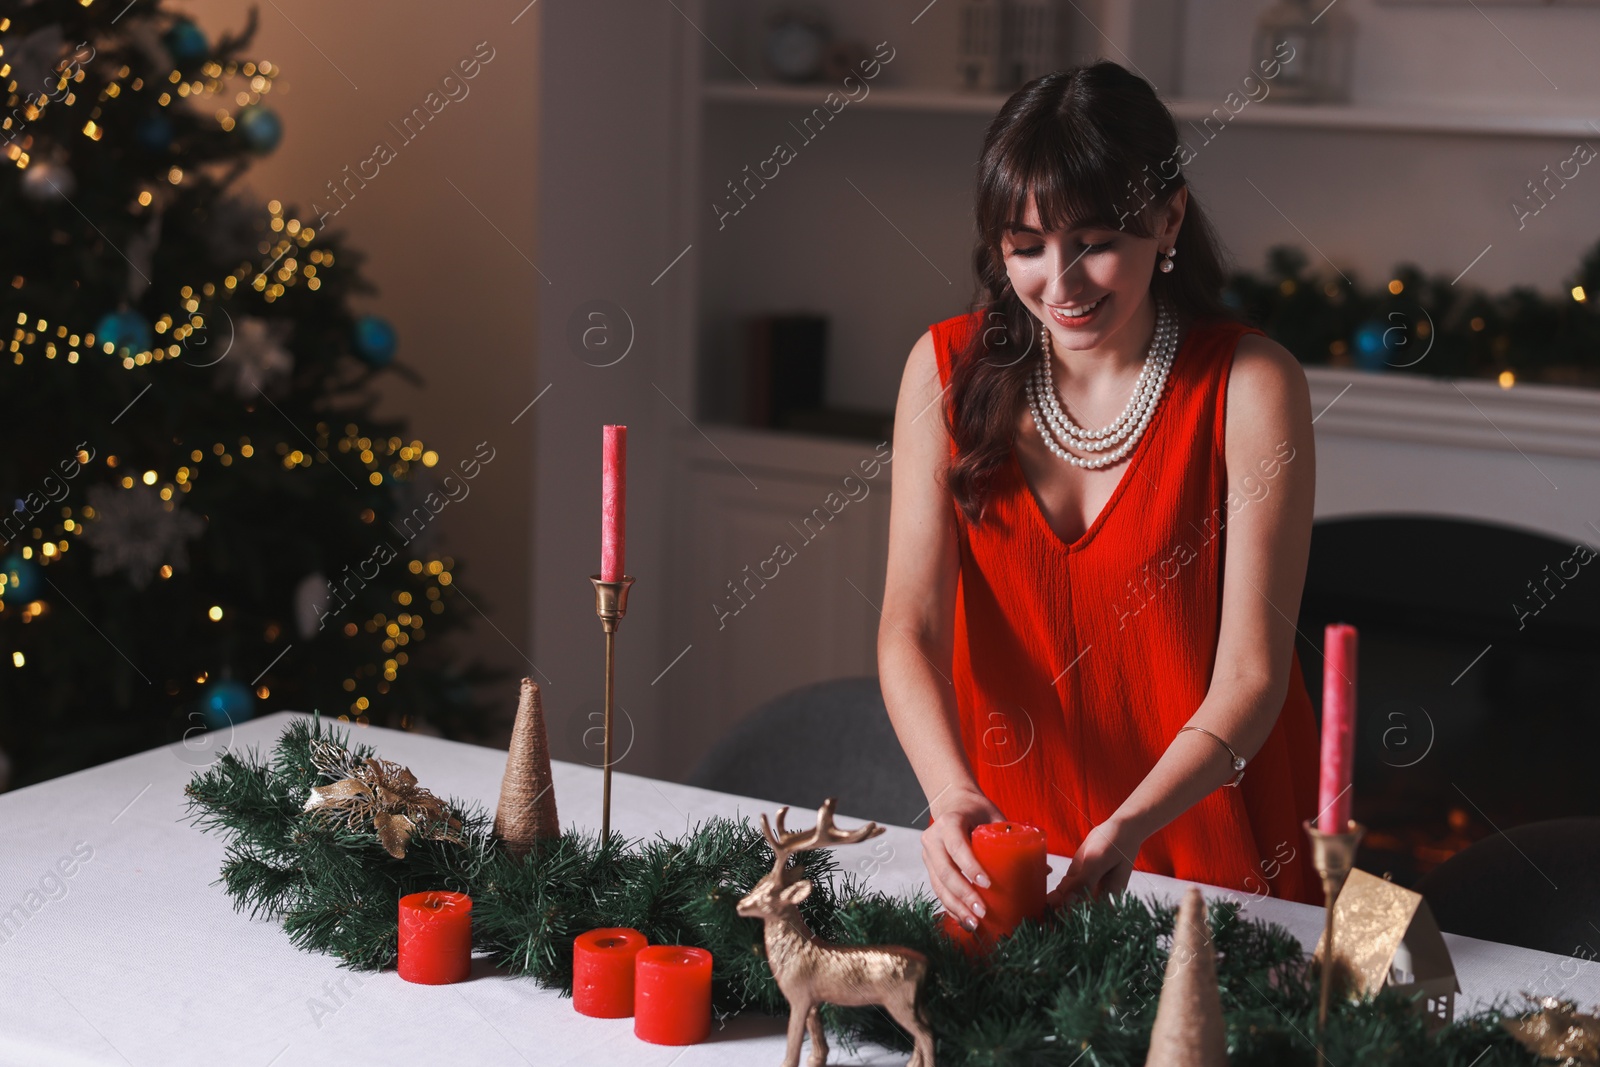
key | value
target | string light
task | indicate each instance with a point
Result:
(218, 79)
(288, 271)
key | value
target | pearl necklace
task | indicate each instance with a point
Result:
(1061, 433)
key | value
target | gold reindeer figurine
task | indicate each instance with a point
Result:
(811, 971)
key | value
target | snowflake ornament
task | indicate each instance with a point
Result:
(134, 532)
(257, 361)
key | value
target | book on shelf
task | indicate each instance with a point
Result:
(786, 359)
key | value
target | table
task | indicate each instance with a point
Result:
(116, 946)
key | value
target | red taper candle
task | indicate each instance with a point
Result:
(1013, 855)
(602, 971)
(672, 995)
(435, 937)
(613, 502)
(1338, 727)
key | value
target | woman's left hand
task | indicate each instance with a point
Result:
(1101, 865)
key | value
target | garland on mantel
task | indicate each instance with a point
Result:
(1081, 988)
(1426, 325)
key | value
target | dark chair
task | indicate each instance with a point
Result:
(1535, 886)
(829, 739)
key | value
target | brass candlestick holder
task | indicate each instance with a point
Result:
(611, 604)
(1334, 856)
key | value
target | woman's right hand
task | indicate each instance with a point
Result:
(953, 869)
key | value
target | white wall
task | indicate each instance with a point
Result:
(611, 226)
(1483, 56)
(866, 272)
(1367, 200)
(459, 294)
(1372, 200)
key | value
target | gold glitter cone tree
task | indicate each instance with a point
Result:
(1188, 1030)
(527, 809)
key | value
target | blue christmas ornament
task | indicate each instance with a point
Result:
(21, 575)
(126, 330)
(375, 340)
(154, 132)
(1372, 345)
(185, 42)
(226, 703)
(261, 127)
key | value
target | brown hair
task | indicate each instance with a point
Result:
(1091, 146)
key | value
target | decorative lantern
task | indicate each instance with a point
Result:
(1304, 53)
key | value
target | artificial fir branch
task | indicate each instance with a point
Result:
(1410, 322)
(1079, 988)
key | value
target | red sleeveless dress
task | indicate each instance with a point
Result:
(1076, 664)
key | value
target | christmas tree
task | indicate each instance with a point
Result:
(200, 517)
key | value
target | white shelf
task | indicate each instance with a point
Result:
(1392, 443)
(1351, 117)
(887, 99)
(1394, 119)
(1544, 420)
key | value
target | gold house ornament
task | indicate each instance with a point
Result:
(1387, 939)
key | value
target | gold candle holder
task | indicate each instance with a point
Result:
(611, 604)
(1334, 856)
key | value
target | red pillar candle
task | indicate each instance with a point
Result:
(613, 502)
(435, 937)
(964, 939)
(672, 995)
(602, 971)
(1338, 727)
(1013, 855)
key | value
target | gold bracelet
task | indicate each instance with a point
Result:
(1234, 757)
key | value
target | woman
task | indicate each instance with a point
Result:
(1101, 515)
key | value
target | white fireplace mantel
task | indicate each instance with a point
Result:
(1391, 443)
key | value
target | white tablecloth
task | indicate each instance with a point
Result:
(117, 948)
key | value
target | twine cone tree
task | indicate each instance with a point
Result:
(527, 809)
(1188, 1030)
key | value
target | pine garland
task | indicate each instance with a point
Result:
(1079, 988)
(1417, 324)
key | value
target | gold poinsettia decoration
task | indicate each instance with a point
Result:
(1557, 1031)
(382, 793)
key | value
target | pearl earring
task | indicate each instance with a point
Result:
(1167, 264)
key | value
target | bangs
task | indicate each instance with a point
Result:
(1091, 147)
(1072, 172)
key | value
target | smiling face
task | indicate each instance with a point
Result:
(1089, 283)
